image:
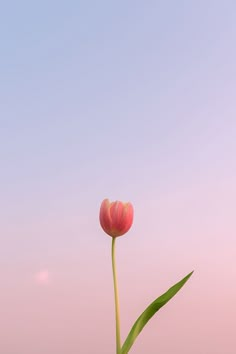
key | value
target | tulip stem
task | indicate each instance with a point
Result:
(118, 347)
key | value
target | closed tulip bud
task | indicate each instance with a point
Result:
(116, 218)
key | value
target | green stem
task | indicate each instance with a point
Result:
(116, 297)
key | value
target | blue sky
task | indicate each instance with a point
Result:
(79, 78)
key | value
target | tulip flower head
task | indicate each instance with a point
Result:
(116, 218)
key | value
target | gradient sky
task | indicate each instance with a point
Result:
(134, 101)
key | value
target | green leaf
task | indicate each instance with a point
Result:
(149, 312)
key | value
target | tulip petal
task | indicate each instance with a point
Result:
(104, 216)
(127, 218)
(116, 212)
(150, 312)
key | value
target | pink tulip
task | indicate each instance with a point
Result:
(116, 218)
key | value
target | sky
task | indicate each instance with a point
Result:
(131, 101)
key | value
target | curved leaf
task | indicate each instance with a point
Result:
(149, 312)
